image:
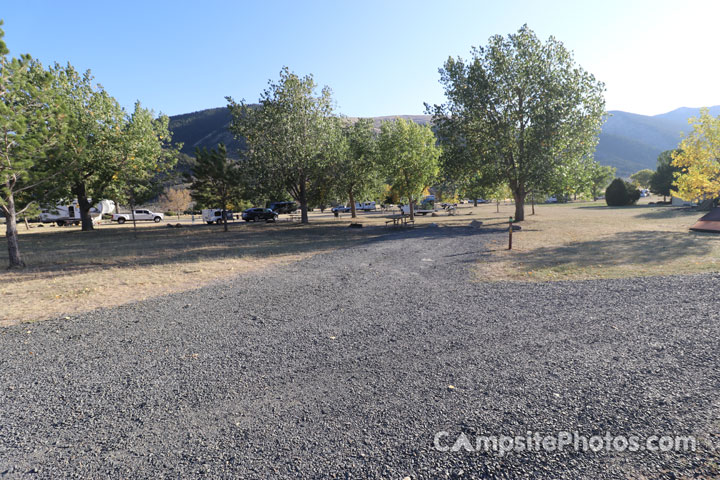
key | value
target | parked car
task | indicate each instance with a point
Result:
(215, 215)
(551, 199)
(283, 207)
(341, 209)
(140, 215)
(256, 214)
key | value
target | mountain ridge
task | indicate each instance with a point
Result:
(628, 141)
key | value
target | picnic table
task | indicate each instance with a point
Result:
(399, 220)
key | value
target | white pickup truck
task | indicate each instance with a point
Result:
(140, 215)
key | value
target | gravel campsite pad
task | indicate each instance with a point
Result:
(369, 362)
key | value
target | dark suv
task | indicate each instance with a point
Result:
(283, 207)
(256, 214)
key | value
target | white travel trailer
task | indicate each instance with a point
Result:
(365, 206)
(69, 214)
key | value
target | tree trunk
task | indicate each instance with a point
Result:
(224, 214)
(132, 212)
(412, 209)
(497, 206)
(519, 196)
(303, 203)
(12, 234)
(353, 211)
(27, 226)
(475, 202)
(532, 199)
(81, 194)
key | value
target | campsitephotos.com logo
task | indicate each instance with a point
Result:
(535, 441)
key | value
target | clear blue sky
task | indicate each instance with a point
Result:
(379, 57)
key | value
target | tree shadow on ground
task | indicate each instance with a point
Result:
(68, 252)
(607, 207)
(673, 212)
(624, 248)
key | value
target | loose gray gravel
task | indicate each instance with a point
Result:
(340, 366)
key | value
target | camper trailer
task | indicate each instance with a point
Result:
(69, 214)
(366, 206)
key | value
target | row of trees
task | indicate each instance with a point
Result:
(63, 137)
(520, 115)
(298, 146)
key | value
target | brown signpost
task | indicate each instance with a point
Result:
(510, 234)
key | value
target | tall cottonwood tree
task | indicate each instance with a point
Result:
(522, 106)
(30, 123)
(106, 151)
(357, 172)
(291, 137)
(410, 157)
(144, 158)
(89, 154)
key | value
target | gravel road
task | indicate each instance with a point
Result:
(351, 364)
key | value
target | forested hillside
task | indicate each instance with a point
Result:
(629, 142)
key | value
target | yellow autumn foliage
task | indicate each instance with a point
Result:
(698, 157)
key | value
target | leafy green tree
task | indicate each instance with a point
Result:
(410, 157)
(89, 154)
(476, 187)
(522, 107)
(698, 159)
(216, 180)
(474, 179)
(358, 171)
(106, 152)
(291, 137)
(498, 194)
(662, 180)
(30, 123)
(144, 158)
(570, 179)
(642, 178)
(600, 178)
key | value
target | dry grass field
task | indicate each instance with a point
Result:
(70, 271)
(580, 241)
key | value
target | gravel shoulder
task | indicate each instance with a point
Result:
(340, 366)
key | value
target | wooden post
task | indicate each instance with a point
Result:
(510, 234)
